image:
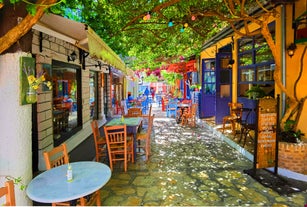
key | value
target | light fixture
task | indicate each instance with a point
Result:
(182, 29)
(170, 23)
(72, 57)
(147, 16)
(193, 18)
(186, 25)
(230, 63)
(291, 49)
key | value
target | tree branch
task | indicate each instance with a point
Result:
(14, 34)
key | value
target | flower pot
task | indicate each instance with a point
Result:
(31, 96)
(293, 156)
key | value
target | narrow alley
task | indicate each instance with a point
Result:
(190, 167)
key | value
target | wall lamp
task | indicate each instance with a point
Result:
(100, 66)
(230, 63)
(72, 57)
(291, 48)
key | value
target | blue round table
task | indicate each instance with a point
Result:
(51, 186)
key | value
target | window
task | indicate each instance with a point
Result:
(93, 95)
(256, 64)
(209, 77)
(67, 119)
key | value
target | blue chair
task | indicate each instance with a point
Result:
(171, 109)
(145, 106)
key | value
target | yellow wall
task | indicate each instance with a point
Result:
(294, 64)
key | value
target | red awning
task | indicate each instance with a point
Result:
(183, 67)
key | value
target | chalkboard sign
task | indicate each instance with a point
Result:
(266, 137)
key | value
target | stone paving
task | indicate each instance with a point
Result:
(190, 167)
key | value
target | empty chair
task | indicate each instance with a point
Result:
(234, 116)
(100, 142)
(171, 109)
(59, 156)
(189, 116)
(119, 148)
(9, 193)
(146, 118)
(143, 138)
(134, 112)
(248, 124)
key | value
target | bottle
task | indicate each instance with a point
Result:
(122, 120)
(69, 173)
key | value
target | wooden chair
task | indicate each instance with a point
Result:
(9, 193)
(134, 112)
(189, 116)
(59, 156)
(119, 148)
(143, 138)
(171, 109)
(100, 142)
(248, 125)
(234, 117)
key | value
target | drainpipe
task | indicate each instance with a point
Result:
(283, 59)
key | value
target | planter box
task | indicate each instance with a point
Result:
(293, 157)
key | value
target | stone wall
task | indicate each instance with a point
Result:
(293, 157)
(47, 48)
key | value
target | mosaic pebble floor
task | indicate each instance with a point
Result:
(190, 167)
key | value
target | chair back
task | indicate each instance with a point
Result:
(9, 193)
(235, 109)
(150, 125)
(56, 157)
(116, 137)
(193, 109)
(100, 141)
(134, 112)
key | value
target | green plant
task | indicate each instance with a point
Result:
(17, 181)
(290, 134)
(255, 92)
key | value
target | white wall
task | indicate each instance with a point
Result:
(15, 127)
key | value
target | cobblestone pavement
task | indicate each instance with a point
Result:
(190, 167)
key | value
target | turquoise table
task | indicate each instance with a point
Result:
(132, 123)
(51, 186)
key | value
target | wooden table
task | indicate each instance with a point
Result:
(51, 186)
(133, 124)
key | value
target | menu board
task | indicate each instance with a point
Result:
(266, 138)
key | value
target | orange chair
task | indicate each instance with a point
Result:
(100, 142)
(59, 156)
(9, 193)
(134, 112)
(234, 117)
(189, 116)
(119, 148)
(143, 138)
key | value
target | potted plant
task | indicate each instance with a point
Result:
(255, 92)
(290, 134)
(291, 148)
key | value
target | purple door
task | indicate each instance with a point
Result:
(207, 102)
(223, 86)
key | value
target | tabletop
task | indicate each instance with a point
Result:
(51, 186)
(183, 105)
(132, 121)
